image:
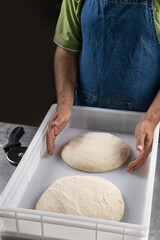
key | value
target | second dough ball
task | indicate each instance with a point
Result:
(95, 152)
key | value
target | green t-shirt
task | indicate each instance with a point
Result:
(68, 30)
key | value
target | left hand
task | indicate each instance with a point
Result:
(144, 135)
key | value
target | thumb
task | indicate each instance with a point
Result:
(140, 142)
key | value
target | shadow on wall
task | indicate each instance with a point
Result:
(27, 52)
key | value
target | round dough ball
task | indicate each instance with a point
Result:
(87, 196)
(95, 152)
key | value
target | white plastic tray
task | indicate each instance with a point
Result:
(38, 170)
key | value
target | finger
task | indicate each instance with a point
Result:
(53, 131)
(148, 142)
(132, 161)
(50, 145)
(50, 140)
(139, 147)
(50, 148)
(56, 125)
(57, 128)
(143, 155)
(139, 161)
(138, 165)
(140, 141)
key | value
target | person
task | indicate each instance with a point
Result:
(108, 56)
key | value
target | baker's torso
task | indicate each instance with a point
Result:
(120, 55)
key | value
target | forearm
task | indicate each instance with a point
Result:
(153, 113)
(66, 71)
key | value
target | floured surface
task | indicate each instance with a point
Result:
(87, 196)
(132, 185)
(95, 152)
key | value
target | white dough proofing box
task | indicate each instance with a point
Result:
(37, 170)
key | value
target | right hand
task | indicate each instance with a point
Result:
(56, 125)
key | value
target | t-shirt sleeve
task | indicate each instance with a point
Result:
(68, 29)
(156, 8)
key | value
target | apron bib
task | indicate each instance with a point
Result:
(120, 56)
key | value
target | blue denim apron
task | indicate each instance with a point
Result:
(120, 56)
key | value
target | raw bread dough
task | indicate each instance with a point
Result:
(88, 196)
(95, 152)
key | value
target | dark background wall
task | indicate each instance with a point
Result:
(27, 51)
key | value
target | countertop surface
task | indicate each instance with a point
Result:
(6, 170)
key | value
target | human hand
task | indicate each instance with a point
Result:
(144, 135)
(56, 125)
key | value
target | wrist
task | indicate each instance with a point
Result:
(64, 107)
